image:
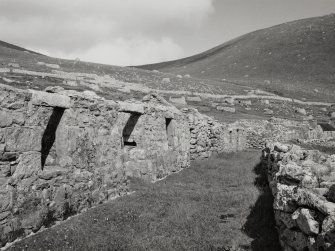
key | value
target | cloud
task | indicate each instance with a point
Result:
(130, 31)
(134, 51)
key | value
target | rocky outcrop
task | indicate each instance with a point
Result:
(302, 183)
(209, 136)
(61, 153)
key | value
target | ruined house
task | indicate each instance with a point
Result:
(61, 153)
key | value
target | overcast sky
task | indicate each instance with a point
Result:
(130, 32)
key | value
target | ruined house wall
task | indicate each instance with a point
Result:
(209, 136)
(318, 134)
(303, 185)
(61, 154)
(259, 132)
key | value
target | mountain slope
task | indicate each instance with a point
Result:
(299, 53)
(14, 47)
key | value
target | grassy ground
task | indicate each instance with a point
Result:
(217, 204)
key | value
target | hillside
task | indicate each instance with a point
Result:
(24, 69)
(296, 55)
(14, 47)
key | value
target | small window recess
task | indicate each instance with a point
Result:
(127, 139)
(169, 131)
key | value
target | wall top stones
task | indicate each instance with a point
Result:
(50, 99)
(68, 98)
(303, 184)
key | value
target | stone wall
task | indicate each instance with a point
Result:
(259, 132)
(303, 185)
(209, 136)
(63, 153)
(318, 134)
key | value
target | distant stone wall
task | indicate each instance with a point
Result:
(209, 136)
(63, 153)
(318, 134)
(259, 132)
(303, 185)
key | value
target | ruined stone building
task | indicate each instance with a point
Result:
(61, 153)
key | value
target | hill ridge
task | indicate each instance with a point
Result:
(298, 54)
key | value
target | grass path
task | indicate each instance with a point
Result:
(217, 204)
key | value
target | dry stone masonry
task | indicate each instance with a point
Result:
(63, 151)
(258, 132)
(209, 136)
(303, 186)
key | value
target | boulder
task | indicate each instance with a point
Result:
(229, 101)
(54, 89)
(301, 111)
(281, 147)
(178, 100)
(246, 102)
(194, 99)
(14, 65)
(309, 117)
(53, 66)
(268, 111)
(166, 81)
(226, 109)
(265, 102)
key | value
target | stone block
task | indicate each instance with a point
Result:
(18, 118)
(5, 119)
(4, 169)
(330, 195)
(4, 215)
(328, 224)
(137, 154)
(29, 165)
(296, 240)
(194, 99)
(50, 99)
(226, 109)
(286, 219)
(131, 107)
(51, 172)
(6, 200)
(35, 219)
(9, 156)
(23, 139)
(305, 219)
